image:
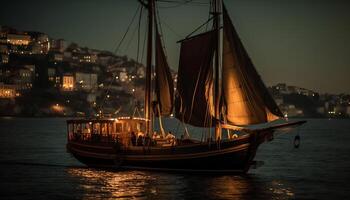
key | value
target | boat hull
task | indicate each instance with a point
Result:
(228, 156)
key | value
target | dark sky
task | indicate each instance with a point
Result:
(302, 42)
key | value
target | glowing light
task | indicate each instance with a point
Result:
(57, 108)
(68, 83)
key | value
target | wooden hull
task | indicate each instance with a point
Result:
(227, 157)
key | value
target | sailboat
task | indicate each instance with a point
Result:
(218, 88)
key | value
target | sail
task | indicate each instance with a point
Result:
(164, 86)
(245, 95)
(195, 80)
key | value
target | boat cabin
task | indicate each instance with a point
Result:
(108, 130)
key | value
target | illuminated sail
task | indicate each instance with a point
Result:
(245, 95)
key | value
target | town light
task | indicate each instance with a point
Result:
(57, 108)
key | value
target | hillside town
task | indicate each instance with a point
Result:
(300, 102)
(42, 76)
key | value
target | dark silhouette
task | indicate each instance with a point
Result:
(133, 138)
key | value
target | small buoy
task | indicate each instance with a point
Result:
(297, 141)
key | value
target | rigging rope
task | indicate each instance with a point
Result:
(210, 9)
(127, 29)
(178, 5)
(138, 36)
(171, 29)
(181, 3)
(205, 23)
(161, 32)
(131, 38)
(115, 52)
(143, 46)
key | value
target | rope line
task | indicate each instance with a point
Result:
(115, 52)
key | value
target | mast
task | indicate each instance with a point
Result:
(148, 90)
(217, 88)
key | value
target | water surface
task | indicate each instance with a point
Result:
(35, 165)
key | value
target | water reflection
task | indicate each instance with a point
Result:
(151, 185)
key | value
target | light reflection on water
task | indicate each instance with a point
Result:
(152, 185)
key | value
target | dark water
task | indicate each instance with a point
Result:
(34, 165)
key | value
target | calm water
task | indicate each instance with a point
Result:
(35, 165)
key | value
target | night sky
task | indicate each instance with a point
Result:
(302, 42)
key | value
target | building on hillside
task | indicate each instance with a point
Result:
(67, 56)
(140, 72)
(67, 82)
(31, 68)
(18, 39)
(4, 49)
(106, 58)
(8, 91)
(321, 110)
(4, 58)
(289, 110)
(86, 81)
(51, 74)
(40, 43)
(84, 57)
(56, 56)
(23, 78)
(58, 45)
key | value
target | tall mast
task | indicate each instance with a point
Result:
(148, 90)
(217, 88)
